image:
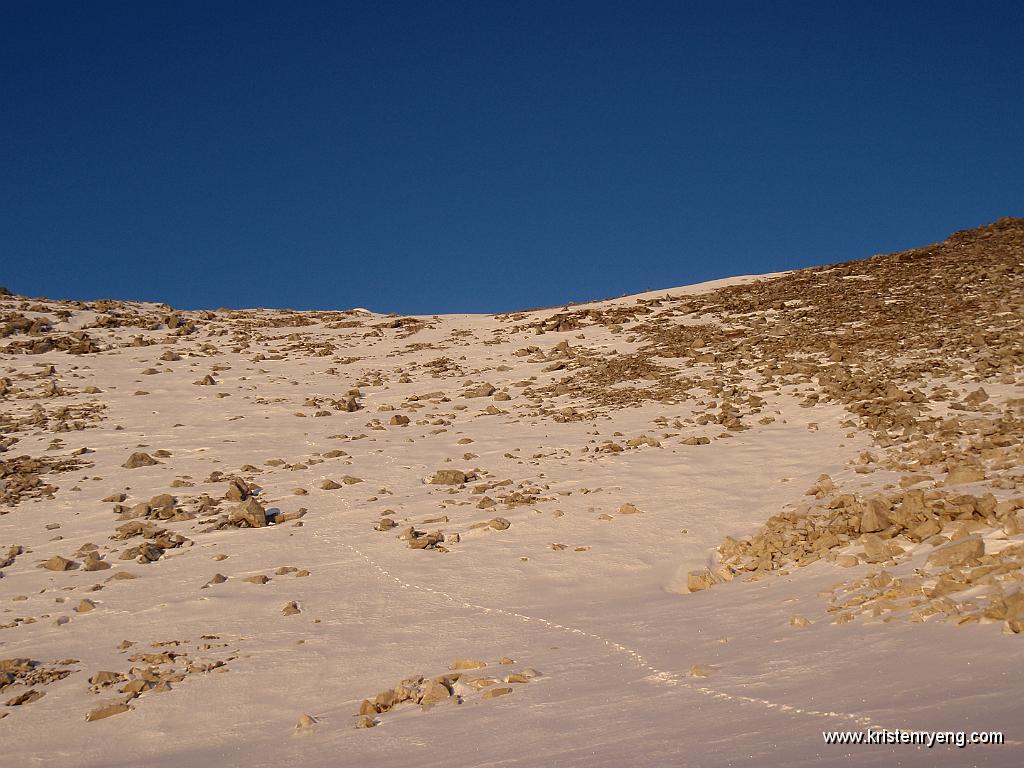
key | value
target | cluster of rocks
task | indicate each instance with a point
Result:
(24, 673)
(157, 671)
(163, 506)
(849, 529)
(75, 343)
(348, 403)
(417, 539)
(22, 478)
(960, 582)
(454, 686)
(157, 541)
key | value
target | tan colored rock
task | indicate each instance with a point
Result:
(25, 698)
(58, 563)
(238, 490)
(494, 693)
(875, 516)
(629, 509)
(105, 678)
(481, 390)
(962, 552)
(368, 708)
(108, 710)
(702, 670)
(92, 562)
(449, 477)
(925, 530)
(698, 580)
(139, 459)
(799, 621)
(290, 609)
(467, 664)
(433, 692)
(964, 474)
(250, 512)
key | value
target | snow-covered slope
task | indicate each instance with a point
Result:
(580, 469)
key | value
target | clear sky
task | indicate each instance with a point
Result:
(486, 156)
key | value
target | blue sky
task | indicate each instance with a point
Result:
(479, 156)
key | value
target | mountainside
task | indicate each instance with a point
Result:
(698, 526)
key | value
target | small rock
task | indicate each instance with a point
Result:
(702, 670)
(25, 698)
(467, 664)
(58, 563)
(493, 693)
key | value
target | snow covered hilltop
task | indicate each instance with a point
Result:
(697, 526)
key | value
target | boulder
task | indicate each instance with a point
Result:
(449, 477)
(139, 459)
(250, 512)
(964, 474)
(961, 552)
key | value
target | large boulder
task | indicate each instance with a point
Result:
(250, 512)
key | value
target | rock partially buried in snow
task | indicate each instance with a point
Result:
(467, 664)
(493, 693)
(959, 552)
(699, 580)
(433, 692)
(58, 563)
(139, 459)
(305, 724)
(964, 474)
(108, 710)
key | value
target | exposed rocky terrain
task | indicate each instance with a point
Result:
(696, 525)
